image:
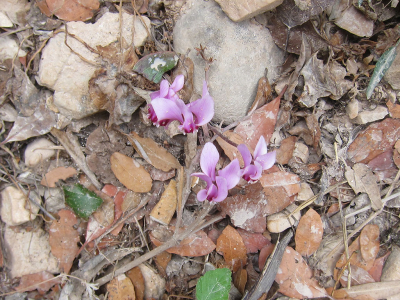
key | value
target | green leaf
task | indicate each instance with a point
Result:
(154, 65)
(81, 200)
(381, 67)
(214, 285)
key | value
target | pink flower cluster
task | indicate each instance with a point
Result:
(166, 107)
(227, 178)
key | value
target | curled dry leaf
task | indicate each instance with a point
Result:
(358, 276)
(261, 123)
(285, 151)
(72, 10)
(295, 277)
(56, 174)
(240, 280)
(369, 242)
(376, 139)
(130, 173)
(153, 153)
(64, 239)
(376, 290)
(135, 275)
(40, 281)
(196, 244)
(121, 288)
(309, 233)
(231, 245)
(165, 208)
(231, 151)
(253, 241)
(377, 267)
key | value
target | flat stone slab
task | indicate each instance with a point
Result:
(241, 52)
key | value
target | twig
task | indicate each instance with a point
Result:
(217, 132)
(15, 31)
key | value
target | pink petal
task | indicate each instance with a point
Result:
(177, 85)
(258, 172)
(166, 109)
(267, 160)
(204, 177)
(222, 189)
(205, 90)
(261, 148)
(202, 195)
(203, 109)
(251, 172)
(188, 123)
(209, 159)
(155, 95)
(212, 192)
(164, 88)
(245, 154)
(231, 173)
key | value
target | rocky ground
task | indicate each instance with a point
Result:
(97, 202)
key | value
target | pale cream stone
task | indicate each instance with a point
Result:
(305, 192)
(154, 284)
(38, 151)
(301, 151)
(279, 222)
(16, 209)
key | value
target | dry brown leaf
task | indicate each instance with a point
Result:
(394, 109)
(153, 153)
(264, 254)
(32, 282)
(162, 261)
(376, 139)
(71, 10)
(377, 290)
(261, 123)
(196, 244)
(285, 151)
(135, 275)
(64, 239)
(231, 245)
(240, 280)
(295, 277)
(376, 270)
(309, 233)
(231, 151)
(56, 174)
(369, 242)
(358, 276)
(130, 173)
(253, 241)
(165, 208)
(121, 288)
(362, 180)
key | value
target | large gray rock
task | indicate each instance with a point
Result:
(392, 75)
(241, 52)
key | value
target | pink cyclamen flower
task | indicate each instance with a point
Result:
(166, 107)
(217, 185)
(254, 165)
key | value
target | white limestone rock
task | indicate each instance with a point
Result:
(355, 22)
(54, 199)
(154, 284)
(5, 21)
(391, 270)
(392, 75)
(9, 48)
(279, 222)
(241, 52)
(239, 10)
(368, 116)
(38, 151)
(64, 72)
(28, 252)
(16, 209)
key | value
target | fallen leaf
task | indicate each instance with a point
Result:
(358, 276)
(121, 288)
(362, 180)
(41, 281)
(153, 153)
(162, 261)
(290, 182)
(56, 174)
(377, 267)
(231, 151)
(196, 244)
(309, 233)
(315, 130)
(377, 290)
(261, 123)
(63, 239)
(240, 280)
(295, 278)
(264, 90)
(72, 10)
(264, 254)
(118, 210)
(374, 140)
(110, 190)
(285, 151)
(369, 242)
(165, 208)
(130, 173)
(323, 81)
(394, 109)
(153, 66)
(383, 161)
(253, 241)
(231, 245)
(135, 275)
(81, 200)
